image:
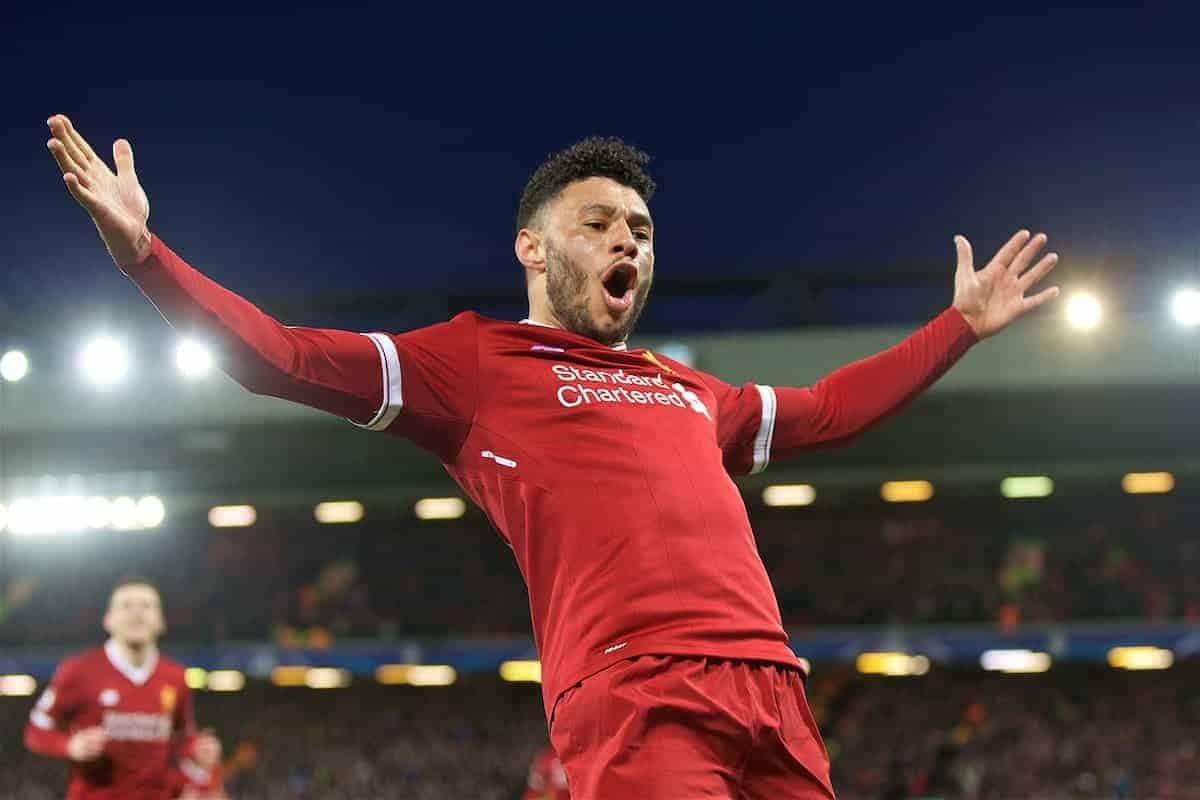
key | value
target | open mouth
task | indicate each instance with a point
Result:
(619, 283)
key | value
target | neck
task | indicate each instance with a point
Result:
(136, 654)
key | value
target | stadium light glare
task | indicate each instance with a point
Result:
(1015, 662)
(123, 514)
(14, 365)
(1140, 657)
(416, 674)
(232, 516)
(521, 671)
(1185, 307)
(226, 680)
(906, 491)
(338, 512)
(891, 664)
(151, 512)
(327, 678)
(800, 494)
(287, 675)
(440, 508)
(104, 361)
(1084, 311)
(196, 678)
(1148, 482)
(17, 685)
(432, 675)
(193, 359)
(1025, 486)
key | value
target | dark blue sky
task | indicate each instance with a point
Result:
(324, 150)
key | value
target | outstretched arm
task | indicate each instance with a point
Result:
(763, 424)
(336, 371)
(851, 399)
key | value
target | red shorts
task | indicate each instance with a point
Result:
(677, 728)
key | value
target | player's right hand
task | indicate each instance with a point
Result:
(87, 744)
(116, 202)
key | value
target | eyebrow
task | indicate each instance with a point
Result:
(637, 218)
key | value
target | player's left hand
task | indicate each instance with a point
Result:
(991, 298)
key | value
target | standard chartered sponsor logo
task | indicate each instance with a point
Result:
(615, 387)
(131, 727)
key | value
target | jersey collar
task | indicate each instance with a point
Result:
(527, 321)
(136, 675)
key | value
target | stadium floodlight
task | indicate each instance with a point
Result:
(196, 678)
(1015, 662)
(1140, 657)
(104, 361)
(327, 678)
(416, 674)
(123, 514)
(17, 685)
(906, 491)
(1185, 307)
(1024, 486)
(226, 680)
(431, 675)
(1148, 482)
(440, 508)
(232, 516)
(14, 365)
(521, 671)
(1084, 311)
(150, 512)
(799, 494)
(338, 512)
(289, 675)
(891, 664)
(193, 359)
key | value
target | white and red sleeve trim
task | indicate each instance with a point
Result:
(766, 429)
(393, 397)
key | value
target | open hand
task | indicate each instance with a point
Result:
(991, 298)
(116, 202)
(87, 744)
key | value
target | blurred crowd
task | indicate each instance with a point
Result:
(299, 582)
(1073, 732)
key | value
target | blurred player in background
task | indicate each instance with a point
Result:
(122, 713)
(667, 671)
(547, 779)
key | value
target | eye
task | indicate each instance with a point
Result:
(596, 226)
(643, 235)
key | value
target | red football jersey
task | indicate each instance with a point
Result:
(547, 778)
(146, 713)
(606, 470)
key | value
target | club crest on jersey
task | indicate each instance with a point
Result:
(109, 697)
(653, 359)
(168, 699)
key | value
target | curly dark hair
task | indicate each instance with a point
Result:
(595, 156)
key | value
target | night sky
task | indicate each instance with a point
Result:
(371, 149)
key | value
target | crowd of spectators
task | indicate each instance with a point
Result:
(1071, 733)
(289, 578)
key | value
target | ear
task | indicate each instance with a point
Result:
(530, 250)
(108, 628)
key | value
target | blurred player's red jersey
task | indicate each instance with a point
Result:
(547, 778)
(146, 713)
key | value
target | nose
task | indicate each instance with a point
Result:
(624, 242)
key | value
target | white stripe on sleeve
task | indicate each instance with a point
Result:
(42, 720)
(393, 398)
(766, 430)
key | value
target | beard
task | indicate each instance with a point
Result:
(567, 290)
